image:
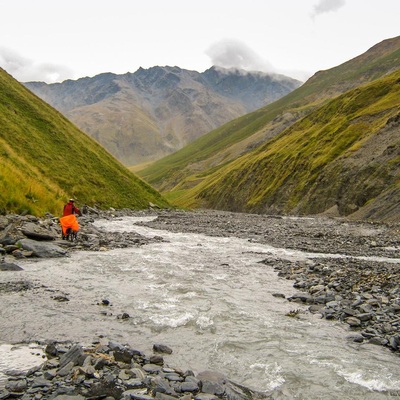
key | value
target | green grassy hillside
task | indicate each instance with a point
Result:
(45, 159)
(193, 163)
(343, 156)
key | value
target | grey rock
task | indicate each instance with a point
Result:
(151, 368)
(156, 359)
(364, 316)
(189, 387)
(17, 386)
(66, 369)
(123, 355)
(353, 321)
(42, 249)
(73, 355)
(162, 348)
(10, 267)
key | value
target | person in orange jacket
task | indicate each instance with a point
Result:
(70, 208)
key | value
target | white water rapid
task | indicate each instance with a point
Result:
(207, 298)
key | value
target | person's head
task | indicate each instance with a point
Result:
(71, 200)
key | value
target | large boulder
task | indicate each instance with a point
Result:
(42, 249)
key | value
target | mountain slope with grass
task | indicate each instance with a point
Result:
(45, 159)
(342, 159)
(189, 166)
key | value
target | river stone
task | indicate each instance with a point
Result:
(189, 387)
(394, 342)
(353, 321)
(8, 241)
(151, 368)
(73, 355)
(35, 232)
(206, 396)
(10, 267)
(162, 386)
(317, 288)
(162, 348)
(163, 396)
(42, 249)
(138, 373)
(365, 316)
(357, 338)
(124, 355)
(66, 369)
(16, 386)
(41, 382)
(134, 383)
(302, 298)
(156, 359)
(212, 382)
(315, 308)
(133, 394)
(174, 377)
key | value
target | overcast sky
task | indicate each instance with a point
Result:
(54, 40)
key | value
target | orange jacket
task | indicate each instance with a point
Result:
(69, 221)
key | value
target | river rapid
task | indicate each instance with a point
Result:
(210, 300)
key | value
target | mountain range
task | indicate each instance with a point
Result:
(332, 146)
(142, 116)
(329, 147)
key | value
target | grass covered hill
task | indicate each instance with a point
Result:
(191, 165)
(45, 159)
(343, 158)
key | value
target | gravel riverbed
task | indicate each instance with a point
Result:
(354, 278)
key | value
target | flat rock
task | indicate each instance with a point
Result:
(10, 267)
(42, 249)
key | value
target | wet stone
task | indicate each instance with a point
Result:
(10, 267)
(151, 368)
(16, 386)
(189, 387)
(161, 348)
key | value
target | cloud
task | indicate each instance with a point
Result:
(230, 53)
(325, 6)
(25, 70)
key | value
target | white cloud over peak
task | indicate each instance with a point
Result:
(231, 53)
(25, 70)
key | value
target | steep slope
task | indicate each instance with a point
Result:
(153, 112)
(343, 158)
(44, 159)
(200, 158)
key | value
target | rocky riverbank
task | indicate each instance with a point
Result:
(111, 370)
(28, 236)
(356, 281)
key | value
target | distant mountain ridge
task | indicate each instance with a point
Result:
(145, 115)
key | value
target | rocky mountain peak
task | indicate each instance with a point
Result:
(153, 112)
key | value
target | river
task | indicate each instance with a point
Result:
(210, 300)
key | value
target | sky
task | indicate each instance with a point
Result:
(54, 40)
